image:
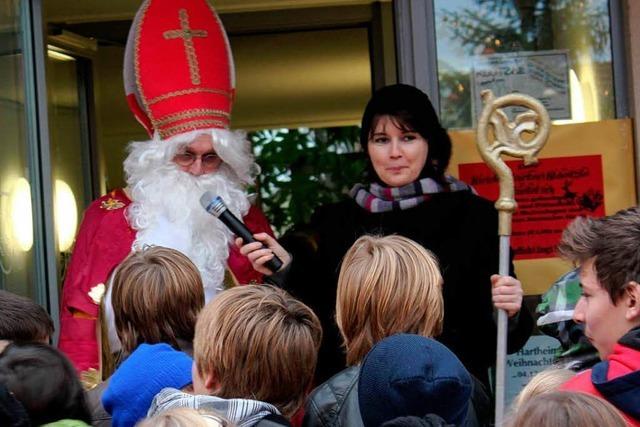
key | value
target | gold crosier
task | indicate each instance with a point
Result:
(187, 34)
(497, 135)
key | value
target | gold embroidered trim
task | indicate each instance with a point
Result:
(136, 61)
(189, 114)
(189, 92)
(111, 204)
(192, 125)
(187, 34)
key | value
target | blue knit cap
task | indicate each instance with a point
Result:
(407, 375)
(149, 369)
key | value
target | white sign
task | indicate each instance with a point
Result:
(537, 355)
(543, 75)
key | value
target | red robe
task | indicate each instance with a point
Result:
(103, 241)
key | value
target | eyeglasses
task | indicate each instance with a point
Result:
(208, 160)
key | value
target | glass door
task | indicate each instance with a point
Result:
(69, 136)
(17, 252)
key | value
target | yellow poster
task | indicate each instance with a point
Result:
(584, 169)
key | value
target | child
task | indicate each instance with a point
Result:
(44, 382)
(409, 375)
(607, 250)
(566, 409)
(255, 353)
(546, 381)
(387, 285)
(22, 320)
(184, 417)
(156, 297)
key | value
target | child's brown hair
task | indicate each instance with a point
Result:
(157, 295)
(23, 320)
(258, 342)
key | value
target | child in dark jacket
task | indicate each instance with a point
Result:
(409, 375)
(40, 386)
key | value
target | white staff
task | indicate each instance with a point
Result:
(507, 138)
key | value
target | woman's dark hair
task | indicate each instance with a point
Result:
(411, 110)
(43, 380)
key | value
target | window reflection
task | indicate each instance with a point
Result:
(467, 30)
(16, 219)
(68, 162)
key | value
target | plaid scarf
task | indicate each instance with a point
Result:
(241, 412)
(377, 198)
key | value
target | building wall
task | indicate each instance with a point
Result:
(632, 38)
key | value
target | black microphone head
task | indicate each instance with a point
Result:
(212, 203)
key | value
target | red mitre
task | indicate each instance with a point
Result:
(178, 68)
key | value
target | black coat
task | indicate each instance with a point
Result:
(335, 403)
(460, 228)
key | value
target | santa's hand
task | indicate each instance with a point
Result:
(506, 294)
(258, 255)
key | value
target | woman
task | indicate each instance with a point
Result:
(409, 194)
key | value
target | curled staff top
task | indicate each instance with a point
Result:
(507, 138)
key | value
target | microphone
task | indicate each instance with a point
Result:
(216, 207)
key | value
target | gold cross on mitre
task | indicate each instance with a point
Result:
(187, 34)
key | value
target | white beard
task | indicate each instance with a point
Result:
(166, 212)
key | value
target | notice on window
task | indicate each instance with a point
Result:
(543, 75)
(537, 355)
(549, 195)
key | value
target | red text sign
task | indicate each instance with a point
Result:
(549, 195)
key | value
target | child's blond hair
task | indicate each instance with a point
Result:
(543, 382)
(387, 285)
(185, 417)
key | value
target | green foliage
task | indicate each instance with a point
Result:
(455, 93)
(528, 25)
(304, 168)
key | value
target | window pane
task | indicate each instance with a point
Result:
(68, 166)
(16, 219)
(506, 37)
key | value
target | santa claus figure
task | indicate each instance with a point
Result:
(179, 81)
